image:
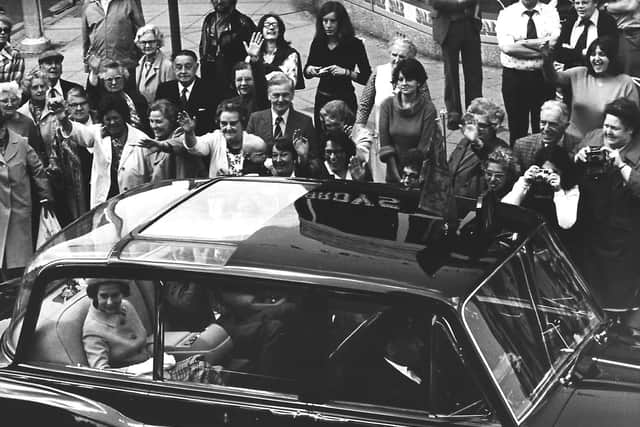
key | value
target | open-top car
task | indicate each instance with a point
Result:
(319, 303)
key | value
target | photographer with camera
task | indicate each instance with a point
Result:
(549, 187)
(610, 205)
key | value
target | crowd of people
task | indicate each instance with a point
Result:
(570, 103)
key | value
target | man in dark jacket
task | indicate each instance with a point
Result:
(224, 32)
(583, 26)
(456, 27)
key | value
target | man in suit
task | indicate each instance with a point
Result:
(554, 120)
(456, 27)
(190, 93)
(583, 26)
(281, 120)
(50, 62)
(394, 370)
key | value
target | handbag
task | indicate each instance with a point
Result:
(49, 225)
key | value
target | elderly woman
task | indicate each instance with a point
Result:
(250, 86)
(110, 78)
(153, 68)
(610, 206)
(479, 139)
(22, 169)
(113, 336)
(10, 96)
(334, 56)
(377, 89)
(594, 85)
(408, 120)
(36, 84)
(499, 170)
(276, 53)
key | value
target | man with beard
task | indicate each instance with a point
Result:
(224, 32)
(554, 120)
(224, 145)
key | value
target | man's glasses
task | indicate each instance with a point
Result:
(5, 30)
(77, 104)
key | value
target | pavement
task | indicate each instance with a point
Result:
(64, 32)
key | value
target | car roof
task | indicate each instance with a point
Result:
(372, 236)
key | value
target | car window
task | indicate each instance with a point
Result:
(504, 324)
(392, 356)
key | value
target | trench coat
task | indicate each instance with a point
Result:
(19, 167)
(161, 71)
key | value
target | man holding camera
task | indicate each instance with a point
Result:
(610, 206)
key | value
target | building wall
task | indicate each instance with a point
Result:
(411, 18)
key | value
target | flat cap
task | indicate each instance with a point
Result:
(49, 55)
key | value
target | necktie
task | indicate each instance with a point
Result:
(53, 93)
(277, 129)
(581, 44)
(532, 33)
(183, 97)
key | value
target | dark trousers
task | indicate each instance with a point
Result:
(462, 38)
(523, 93)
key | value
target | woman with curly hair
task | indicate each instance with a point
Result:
(276, 53)
(154, 67)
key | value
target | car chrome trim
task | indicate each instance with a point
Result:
(616, 363)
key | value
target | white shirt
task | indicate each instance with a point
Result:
(57, 88)
(405, 371)
(105, 5)
(189, 89)
(511, 27)
(592, 32)
(285, 117)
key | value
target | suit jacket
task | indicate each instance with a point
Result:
(201, 104)
(525, 148)
(66, 85)
(445, 11)
(161, 71)
(573, 57)
(260, 123)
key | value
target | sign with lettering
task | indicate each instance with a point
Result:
(419, 12)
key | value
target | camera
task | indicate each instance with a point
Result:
(542, 176)
(597, 160)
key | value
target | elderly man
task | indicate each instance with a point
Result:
(627, 16)
(224, 32)
(523, 29)
(108, 32)
(50, 62)
(190, 93)
(582, 27)
(554, 121)
(11, 60)
(281, 119)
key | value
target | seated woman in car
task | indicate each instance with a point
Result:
(113, 336)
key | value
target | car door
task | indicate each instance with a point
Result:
(393, 361)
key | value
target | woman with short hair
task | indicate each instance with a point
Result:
(610, 206)
(154, 67)
(408, 121)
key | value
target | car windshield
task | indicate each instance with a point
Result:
(218, 214)
(527, 318)
(95, 234)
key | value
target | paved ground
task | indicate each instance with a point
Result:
(64, 33)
